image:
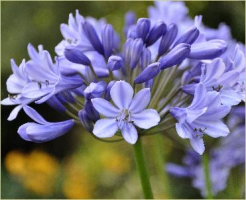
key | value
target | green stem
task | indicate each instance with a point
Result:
(160, 163)
(205, 162)
(142, 169)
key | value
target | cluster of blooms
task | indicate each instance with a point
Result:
(229, 153)
(165, 62)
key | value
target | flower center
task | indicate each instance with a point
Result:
(124, 116)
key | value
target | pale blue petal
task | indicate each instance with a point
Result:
(194, 114)
(105, 128)
(199, 95)
(140, 101)
(230, 97)
(121, 94)
(146, 118)
(105, 108)
(33, 114)
(14, 113)
(182, 130)
(43, 133)
(129, 133)
(197, 144)
(22, 130)
(34, 90)
(212, 128)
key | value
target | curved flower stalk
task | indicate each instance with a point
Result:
(169, 62)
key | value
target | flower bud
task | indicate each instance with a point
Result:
(156, 32)
(56, 104)
(108, 40)
(132, 33)
(135, 52)
(143, 26)
(175, 56)
(95, 90)
(91, 111)
(115, 63)
(130, 19)
(168, 38)
(75, 55)
(188, 37)
(145, 58)
(85, 120)
(148, 73)
(132, 51)
(208, 50)
(92, 36)
(107, 93)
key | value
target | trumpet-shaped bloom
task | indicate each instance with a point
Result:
(203, 116)
(127, 113)
(42, 131)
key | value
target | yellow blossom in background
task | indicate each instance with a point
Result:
(76, 184)
(37, 171)
(115, 162)
(15, 163)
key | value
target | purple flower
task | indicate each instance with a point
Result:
(215, 78)
(127, 113)
(203, 116)
(42, 131)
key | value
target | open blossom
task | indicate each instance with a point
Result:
(127, 113)
(203, 116)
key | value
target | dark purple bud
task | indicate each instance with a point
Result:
(143, 26)
(92, 37)
(175, 56)
(108, 40)
(156, 32)
(148, 73)
(95, 90)
(188, 37)
(115, 63)
(56, 104)
(91, 111)
(85, 120)
(208, 50)
(75, 55)
(168, 38)
(145, 58)
(135, 52)
(130, 19)
(107, 93)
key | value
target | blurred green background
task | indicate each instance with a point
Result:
(75, 165)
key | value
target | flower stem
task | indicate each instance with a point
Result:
(205, 162)
(142, 169)
(160, 163)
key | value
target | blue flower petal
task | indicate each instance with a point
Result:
(105, 128)
(121, 94)
(140, 101)
(129, 133)
(105, 108)
(146, 118)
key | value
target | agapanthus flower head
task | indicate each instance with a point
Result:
(168, 61)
